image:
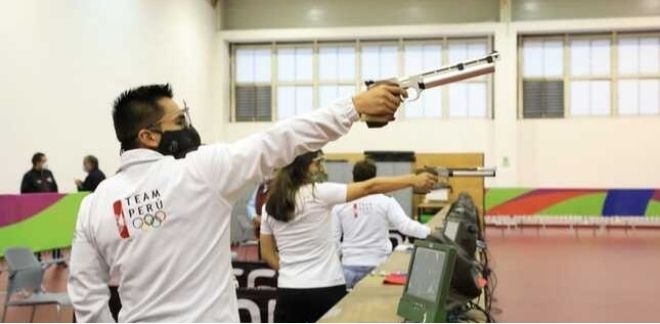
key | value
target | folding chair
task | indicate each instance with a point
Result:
(26, 275)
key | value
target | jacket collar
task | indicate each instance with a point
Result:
(137, 156)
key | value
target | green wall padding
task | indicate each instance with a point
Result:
(497, 196)
(49, 229)
(587, 205)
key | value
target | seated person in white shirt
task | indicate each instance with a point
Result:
(297, 234)
(365, 223)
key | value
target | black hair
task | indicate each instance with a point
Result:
(36, 158)
(364, 170)
(93, 161)
(281, 204)
(137, 108)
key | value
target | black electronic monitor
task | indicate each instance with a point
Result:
(452, 228)
(461, 224)
(461, 231)
(429, 282)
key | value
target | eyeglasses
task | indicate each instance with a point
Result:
(182, 118)
(186, 114)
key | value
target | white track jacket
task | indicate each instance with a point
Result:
(160, 226)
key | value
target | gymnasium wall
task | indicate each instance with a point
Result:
(62, 63)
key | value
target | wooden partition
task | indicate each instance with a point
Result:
(473, 186)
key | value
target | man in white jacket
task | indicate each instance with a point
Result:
(364, 225)
(160, 226)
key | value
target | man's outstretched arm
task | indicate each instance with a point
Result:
(231, 166)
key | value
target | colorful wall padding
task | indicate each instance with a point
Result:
(38, 221)
(578, 202)
(47, 221)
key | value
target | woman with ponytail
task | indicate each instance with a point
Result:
(297, 234)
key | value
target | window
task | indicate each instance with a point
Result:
(379, 61)
(591, 71)
(309, 75)
(294, 78)
(468, 98)
(543, 58)
(336, 72)
(590, 76)
(639, 75)
(417, 59)
(252, 91)
(542, 84)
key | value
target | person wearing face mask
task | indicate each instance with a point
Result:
(39, 178)
(160, 225)
(94, 174)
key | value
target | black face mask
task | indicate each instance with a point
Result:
(178, 143)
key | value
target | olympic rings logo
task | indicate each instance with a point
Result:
(149, 221)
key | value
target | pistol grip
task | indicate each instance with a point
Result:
(374, 122)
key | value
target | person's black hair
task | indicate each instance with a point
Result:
(364, 170)
(37, 157)
(93, 161)
(281, 203)
(136, 109)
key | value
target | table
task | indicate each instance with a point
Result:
(371, 300)
(433, 207)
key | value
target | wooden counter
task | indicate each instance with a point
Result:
(371, 300)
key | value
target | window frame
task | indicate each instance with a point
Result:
(490, 114)
(443, 61)
(520, 68)
(568, 109)
(233, 48)
(567, 78)
(276, 83)
(318, 83)
(640, 76)
(357, 45)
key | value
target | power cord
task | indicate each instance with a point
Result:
(489, 318)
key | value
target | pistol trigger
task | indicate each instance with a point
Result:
(414, 91)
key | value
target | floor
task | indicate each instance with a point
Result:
(558, 276)
(548, 276)
(54, 281)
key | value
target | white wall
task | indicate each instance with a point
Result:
(62, 63)
(611, 152)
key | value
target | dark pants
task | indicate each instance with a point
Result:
(306, 305)
(115, 302)
(57, 253)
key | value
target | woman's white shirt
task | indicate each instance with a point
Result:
(309, 256)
